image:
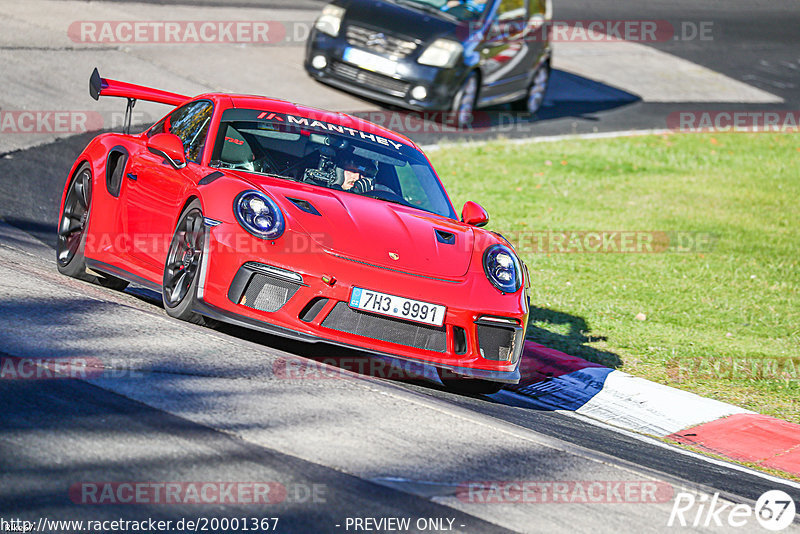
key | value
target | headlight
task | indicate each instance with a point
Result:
(259, 215)
(502, 268)
(331, 20)
(441, 53)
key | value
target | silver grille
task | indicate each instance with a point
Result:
(379, 42)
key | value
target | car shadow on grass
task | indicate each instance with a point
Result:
(569, 334)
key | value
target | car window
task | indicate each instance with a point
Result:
(328, 155)
(190, 123)
(462, 10)
(511, 11)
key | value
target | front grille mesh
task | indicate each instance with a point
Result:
(371, 79)
(345, 319)
(268, 294)
(379, 42)
(498, 343)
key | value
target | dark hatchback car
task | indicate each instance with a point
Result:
(453, 55)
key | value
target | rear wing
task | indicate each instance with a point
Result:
(104, 87)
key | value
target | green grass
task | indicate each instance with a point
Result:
(738, 301)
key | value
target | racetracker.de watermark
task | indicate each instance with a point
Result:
(230, 239)
(66, 122)
(177, 32)
(49, 121)
(730, 368)
(297, 32)
(609, 241)
(742, 121)
(565, 492)
(601, 31)
(344, 367)
(195, 492)
(14, 368)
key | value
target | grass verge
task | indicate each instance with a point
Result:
(714, 309)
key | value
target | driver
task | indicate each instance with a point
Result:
(356, 174)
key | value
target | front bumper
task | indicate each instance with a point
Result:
(305, 295)
(440, 84)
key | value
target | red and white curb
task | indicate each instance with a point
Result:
(553, 380)
(754, 438)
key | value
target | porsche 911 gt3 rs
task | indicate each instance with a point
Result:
(295, 221)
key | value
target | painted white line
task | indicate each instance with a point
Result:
(658, 443)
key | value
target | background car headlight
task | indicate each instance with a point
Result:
(441, 53)
(330, 20)
(259, 215)
(502, 268)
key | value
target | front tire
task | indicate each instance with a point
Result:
(182, 268)
(535, 96)
(463, 105)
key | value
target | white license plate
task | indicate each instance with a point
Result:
(368, 61)
(400, 307)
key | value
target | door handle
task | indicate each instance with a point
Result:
(132, 176)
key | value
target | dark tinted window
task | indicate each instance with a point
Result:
(190, 123)
(463, 10)
(331, 156)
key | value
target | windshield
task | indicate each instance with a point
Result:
(464, 10)
(328, 155)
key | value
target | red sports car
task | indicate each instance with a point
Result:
(309, 224)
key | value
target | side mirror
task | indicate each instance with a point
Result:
(168, 146)
(473, 214)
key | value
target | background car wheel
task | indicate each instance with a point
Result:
(182, 267)
(467, 386)
(71, 242)
(464, 101)
(533, 100)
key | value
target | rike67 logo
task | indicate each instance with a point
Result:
(775, 510)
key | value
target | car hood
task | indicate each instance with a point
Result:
(400, 20)
(376, 232)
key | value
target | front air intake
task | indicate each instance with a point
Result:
(498, 341)
(268, 294)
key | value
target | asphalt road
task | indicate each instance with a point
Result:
(172, 402)
(199, 405)
(193, 404)
(746, 60)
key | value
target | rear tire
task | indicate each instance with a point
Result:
(182, 268)
(468, 386)
(72, 232)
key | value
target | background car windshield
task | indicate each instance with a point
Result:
(355, 162)
(466, 10)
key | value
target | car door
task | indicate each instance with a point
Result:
(155, 190)
(506, 56)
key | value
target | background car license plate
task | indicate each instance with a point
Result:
(368, 61)
(394, 306)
